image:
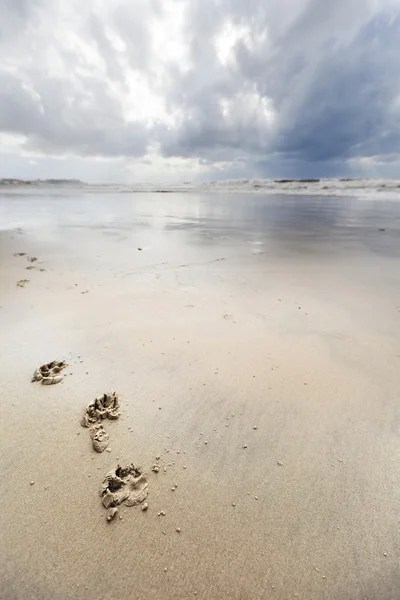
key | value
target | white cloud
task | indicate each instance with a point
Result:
(188, 86)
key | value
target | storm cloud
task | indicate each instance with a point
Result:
(205, 89)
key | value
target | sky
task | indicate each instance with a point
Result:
(191, 90)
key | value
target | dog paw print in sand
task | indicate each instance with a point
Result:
(49, 373)
(99, 436)
(105, 407)
(22, 282)
(123, 484)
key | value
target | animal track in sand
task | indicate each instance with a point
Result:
(22, 282)
(32, 267)
(49, 374)
(105, 407)
(123, 484)
(100, 437)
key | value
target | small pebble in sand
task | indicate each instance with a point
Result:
(279, 463)
(201, 433)
(233, 504)
(323, 577)
(255, 427)
(184, 466)
(385, 554)
(159, 408)
(108, 449)
(165, 568)
(145, 506)
(172, 489)
(178, 529)
(161, 513)
(120, 518)
(206, 443)
(32, 482)
(158, 457)
(244, 446)
(255, 497)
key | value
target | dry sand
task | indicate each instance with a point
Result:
(257, 363)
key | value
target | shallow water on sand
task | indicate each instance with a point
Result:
(268, 218)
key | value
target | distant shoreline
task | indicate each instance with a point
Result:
(17, 181)
(365, 188)
(13, 181)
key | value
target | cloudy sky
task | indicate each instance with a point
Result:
(173, 90)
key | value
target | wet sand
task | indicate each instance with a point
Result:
(254, 345)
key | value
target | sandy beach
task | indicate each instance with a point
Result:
(254, 343)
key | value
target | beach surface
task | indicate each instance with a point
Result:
(254, 343)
